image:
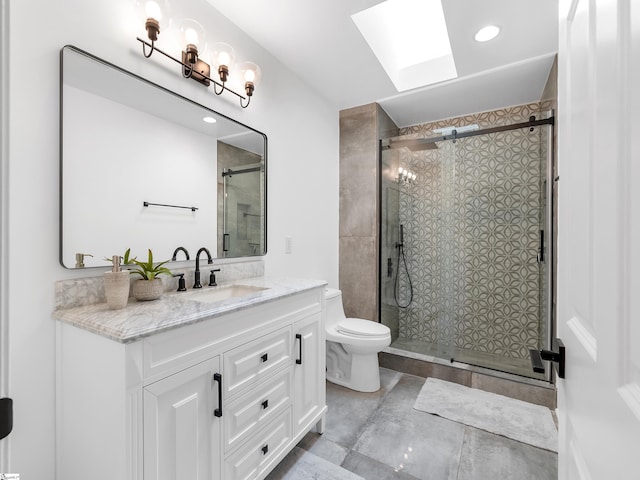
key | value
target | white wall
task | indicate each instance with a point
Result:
(303, 179)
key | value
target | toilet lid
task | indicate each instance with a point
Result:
(362, 328)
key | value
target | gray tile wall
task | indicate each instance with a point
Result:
(360, 130)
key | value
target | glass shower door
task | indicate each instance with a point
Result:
(242, 210)
(474, 223)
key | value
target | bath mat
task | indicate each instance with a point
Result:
(515, 419)
(302, 465)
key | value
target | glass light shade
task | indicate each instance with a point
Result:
(192, 33)
(223, 54)
(158, 10)
(251, 73)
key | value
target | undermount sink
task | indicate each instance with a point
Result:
(217, 294)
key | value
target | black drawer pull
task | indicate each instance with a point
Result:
(299, 338)
(265, 404)
(264, 357)
(218, 378)
(265, 449)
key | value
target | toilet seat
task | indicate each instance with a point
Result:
(357, 327)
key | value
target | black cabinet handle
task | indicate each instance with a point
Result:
(217, 377)
(265, 404)
(264, 357)
(299, 359)
(265, 449)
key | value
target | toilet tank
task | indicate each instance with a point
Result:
(333, 302)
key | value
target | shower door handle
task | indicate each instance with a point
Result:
(540, 257)
(556, 354)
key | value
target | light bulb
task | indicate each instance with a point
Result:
(223, 59)
(152, 10)
(191, 36)
(250, 73)
(249, 76)
(223, 54)
(192, 33)
(155, 15)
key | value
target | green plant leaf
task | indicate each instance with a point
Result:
(147, 270)
(126, 260)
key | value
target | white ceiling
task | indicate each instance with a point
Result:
(320, 43)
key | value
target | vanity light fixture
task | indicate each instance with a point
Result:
(405, 176)
(192, 62)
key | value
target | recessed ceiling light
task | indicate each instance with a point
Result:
(209, 120)
(410, 40)
(487, 33)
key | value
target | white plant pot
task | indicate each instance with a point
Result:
(144, 290)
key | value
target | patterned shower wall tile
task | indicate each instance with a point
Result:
(472, 225)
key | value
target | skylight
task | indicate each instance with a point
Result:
(410, 40)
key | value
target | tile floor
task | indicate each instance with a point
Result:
(379, 436)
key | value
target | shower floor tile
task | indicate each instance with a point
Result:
(379, 436)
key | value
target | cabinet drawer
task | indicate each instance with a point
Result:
(249, 363)
(250, 411)
(252, 457)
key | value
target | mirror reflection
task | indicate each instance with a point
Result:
(143, 167)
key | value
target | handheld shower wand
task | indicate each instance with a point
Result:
(400, 247)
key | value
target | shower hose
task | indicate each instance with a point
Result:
(401, 255)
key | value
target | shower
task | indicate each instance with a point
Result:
(470, 239)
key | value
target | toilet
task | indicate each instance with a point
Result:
(352, 346)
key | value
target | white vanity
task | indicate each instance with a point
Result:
(191, 386)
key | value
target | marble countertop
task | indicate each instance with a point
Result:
(176, 309)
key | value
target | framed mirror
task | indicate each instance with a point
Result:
(143, 167)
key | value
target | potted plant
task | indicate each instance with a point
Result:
(149, 287)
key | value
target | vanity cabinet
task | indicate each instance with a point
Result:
(226, 397)
(180, 430)
(309, 373)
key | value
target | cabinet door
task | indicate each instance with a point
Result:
(182, 435)
(309, 371)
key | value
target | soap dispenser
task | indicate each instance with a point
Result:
(116, 284)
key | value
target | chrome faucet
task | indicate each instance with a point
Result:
(175, 253)
(197, 283)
